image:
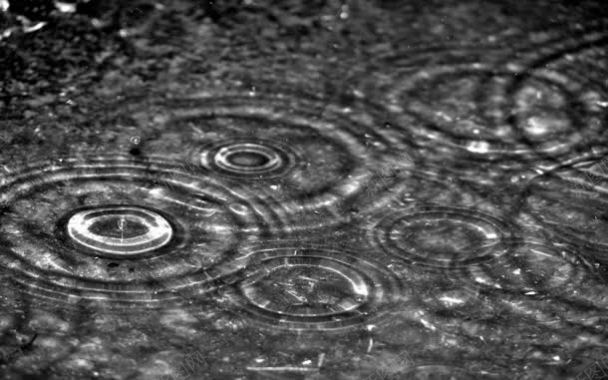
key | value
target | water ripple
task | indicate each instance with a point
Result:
(532, 268)
(542, 103)
(310, 161)
(568, 203)
(442, 237)
(314, 288)
(118, 229)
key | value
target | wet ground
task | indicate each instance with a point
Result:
(303, 190)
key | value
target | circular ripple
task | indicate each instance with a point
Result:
(445, 372)
(555, 102)
(310, 160)
(119, 231)
(116, 229)
(569, 203)
(314, 289)
(547, 102)
(435, 92)
(441, 237)
(249, 159)
(533, 268)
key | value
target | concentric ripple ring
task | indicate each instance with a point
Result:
(157, 232)
(542, 103)
(314, 288)
(441, 237)
(310, 160)
(532, 268)
(249, 158)
(122, 231)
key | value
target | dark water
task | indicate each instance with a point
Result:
(324, 190)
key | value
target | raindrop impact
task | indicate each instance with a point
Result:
(314, 288)
(249, 159)
(122, 231)
(442, 237)
(119, 231)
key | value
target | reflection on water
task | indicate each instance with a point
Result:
(410, 208)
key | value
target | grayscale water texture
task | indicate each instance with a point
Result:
(303, 189)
